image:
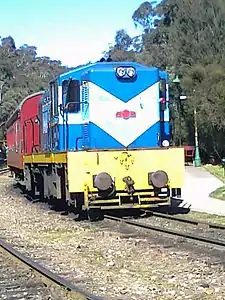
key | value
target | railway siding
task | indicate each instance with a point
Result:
(51, 282)
(115, 264)
(19, 282)
(210, 233)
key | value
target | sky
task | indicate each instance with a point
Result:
(73, 31)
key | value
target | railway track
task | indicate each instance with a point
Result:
(188, 220)
(4, 170)
(22, 278)
(172, 232)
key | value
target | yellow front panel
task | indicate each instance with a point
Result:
(134, 163)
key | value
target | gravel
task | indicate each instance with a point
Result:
(115, 264)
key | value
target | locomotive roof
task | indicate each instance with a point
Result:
(101, 66)
(103, 75)
(14, 115)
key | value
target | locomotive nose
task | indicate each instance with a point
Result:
(158, 179)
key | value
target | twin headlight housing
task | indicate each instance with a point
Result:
(121, 72)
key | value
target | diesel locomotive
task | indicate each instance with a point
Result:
(98, 138)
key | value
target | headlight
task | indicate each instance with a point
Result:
(158, 179)
(103, 181)
(120, 72)
(165, 143)
(131, 72)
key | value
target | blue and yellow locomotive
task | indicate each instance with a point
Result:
(105, 139)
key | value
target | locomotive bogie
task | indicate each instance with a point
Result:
(45, 180)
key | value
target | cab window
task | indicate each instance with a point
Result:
(71, 95)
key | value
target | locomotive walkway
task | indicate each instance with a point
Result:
(198, 184)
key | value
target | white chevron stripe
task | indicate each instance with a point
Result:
(104, 106)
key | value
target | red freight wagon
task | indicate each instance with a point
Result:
(23, 132)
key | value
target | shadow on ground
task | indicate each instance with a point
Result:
(175, 208)
(60, 207)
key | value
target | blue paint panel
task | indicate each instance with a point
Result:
(99, 139)
(166, 131)
(150, 137)
(103, 140)
(163, 75)
(80, 71)
(103, 75)
(123, 89)
(75, 131)
(167, 128)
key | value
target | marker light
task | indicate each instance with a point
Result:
(165, 143)
(162, 104)
(131, 72)
(120, 72)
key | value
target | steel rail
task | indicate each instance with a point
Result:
(168, 231)
(187, 220)
(48, 277)
(4, 170)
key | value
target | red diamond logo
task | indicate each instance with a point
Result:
(126, 114)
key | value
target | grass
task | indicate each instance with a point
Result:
(218, 193)
(217, 171)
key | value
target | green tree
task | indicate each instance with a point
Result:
(187, 37)
(22, 72)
